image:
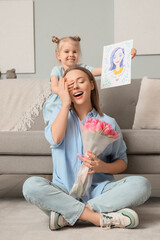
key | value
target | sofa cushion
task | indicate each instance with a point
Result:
(142, 141)
(11, 164)
(143, 164)
(11, 186)
(147, 115)
(24, 143)
(44, 164)
(38, 123)
(19, 110)
(34, 143)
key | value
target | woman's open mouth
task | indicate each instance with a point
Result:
(78, 94)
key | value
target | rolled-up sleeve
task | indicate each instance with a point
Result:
(48, 132)
(56, 72)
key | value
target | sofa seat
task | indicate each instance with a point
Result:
(143, 149)
(14, 164)
(30, 153)
(34, 142)
(24, 143)
(141, 141)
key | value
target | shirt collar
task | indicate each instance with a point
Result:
(92, 114)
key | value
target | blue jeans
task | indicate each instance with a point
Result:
(128, 192)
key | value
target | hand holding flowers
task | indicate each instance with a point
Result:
(92, 162)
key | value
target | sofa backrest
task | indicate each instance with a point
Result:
(38, 123)
(118, 102)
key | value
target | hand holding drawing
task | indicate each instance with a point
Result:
(133, 52)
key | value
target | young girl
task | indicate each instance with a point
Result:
(107, 201)
(68, 53)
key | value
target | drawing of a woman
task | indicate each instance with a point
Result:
(116, 60)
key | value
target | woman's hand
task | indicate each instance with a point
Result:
(92, 162)
(63, 92)
(98, 166)
(70, 85)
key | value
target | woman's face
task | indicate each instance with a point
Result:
(81, 92)
(118, 56)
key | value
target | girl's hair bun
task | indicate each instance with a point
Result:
(77, 38)
(55, 39)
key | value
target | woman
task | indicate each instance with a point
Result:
(108, 201)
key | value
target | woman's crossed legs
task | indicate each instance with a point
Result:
(64, 209)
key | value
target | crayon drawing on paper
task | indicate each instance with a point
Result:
(116, 65)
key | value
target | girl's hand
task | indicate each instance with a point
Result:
(133, 52)
(63, 92)
(92, 162)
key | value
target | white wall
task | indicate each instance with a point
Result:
(146, 34)
(16, 36)
(93, 21)
(72, 17)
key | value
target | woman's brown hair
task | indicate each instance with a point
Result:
(94, 92)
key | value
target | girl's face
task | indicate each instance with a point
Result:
(118, 56)
(68, 54)
(82, 87)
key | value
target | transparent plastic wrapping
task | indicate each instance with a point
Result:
(96, 136)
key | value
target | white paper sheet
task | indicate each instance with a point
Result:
(116, 64)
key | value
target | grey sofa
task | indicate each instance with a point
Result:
(23, 154)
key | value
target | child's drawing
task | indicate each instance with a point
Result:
(116, 66)
(116, 60)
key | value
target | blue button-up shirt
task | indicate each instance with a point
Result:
(65, 161)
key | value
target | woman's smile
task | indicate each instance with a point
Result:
(78, 94)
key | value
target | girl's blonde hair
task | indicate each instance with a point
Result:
(94, 92)
(60, 41)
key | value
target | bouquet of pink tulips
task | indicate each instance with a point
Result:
(96, 136)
